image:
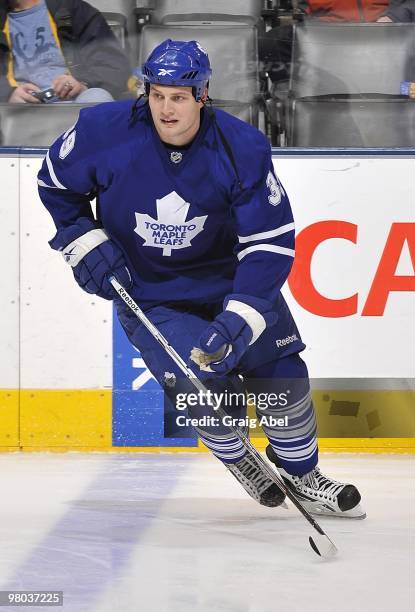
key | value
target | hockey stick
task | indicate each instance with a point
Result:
(320, 543)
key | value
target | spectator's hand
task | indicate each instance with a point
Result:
(22, 94)
(384, 19)
(66, 87)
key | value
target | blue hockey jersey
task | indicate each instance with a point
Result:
(216, 223)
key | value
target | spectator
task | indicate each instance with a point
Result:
(403, 11)
(399, 11)
(344, 10)
(65, 45)
(275, 45)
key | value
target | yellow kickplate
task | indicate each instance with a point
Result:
(349, 445)
(376, 414)
(367, 445)
(9, 419)
(68, 419)
(63, 420)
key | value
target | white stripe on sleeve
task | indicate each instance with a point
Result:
(266, 247)
(270, 234)
(53, 176)
(42, 184)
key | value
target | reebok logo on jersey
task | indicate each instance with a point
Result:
(171, 230)
(285, 341)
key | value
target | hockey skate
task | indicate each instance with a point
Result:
(321, 495)
(259, 486)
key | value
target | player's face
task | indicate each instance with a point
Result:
(175, 112)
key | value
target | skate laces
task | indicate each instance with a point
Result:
(317, 481)
(253, 473)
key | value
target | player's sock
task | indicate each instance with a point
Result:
(289, 425)
(228, 448)
(295, 444)
(259, 486)
(320, 494)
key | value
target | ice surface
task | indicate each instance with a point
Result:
(176, 533)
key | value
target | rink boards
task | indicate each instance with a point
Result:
(70, 380)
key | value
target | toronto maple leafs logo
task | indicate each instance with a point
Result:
(170, 230)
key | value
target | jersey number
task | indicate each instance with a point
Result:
(275, 191)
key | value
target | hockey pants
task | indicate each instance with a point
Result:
(288, 421)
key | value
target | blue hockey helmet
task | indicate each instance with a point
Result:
(178, 63)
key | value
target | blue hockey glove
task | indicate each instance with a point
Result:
(92, 256)
(227, 338)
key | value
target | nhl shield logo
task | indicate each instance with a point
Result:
(176, 157)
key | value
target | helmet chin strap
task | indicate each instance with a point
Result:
(207, 103)
(133, 115)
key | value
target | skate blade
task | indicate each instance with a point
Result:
(357, 513)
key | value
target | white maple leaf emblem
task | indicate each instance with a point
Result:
(170, 231)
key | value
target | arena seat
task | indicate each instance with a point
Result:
(119, 14)
(351, 58)
(233, 55)
(353, 121)
(35, 125)
(176, 12)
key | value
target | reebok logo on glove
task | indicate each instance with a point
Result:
(211, 339)
(67, 255)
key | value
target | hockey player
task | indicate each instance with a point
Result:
(193, 221)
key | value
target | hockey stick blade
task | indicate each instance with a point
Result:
(321, 544)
